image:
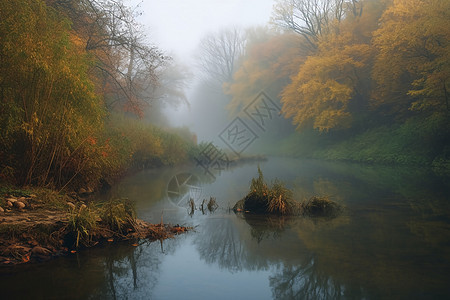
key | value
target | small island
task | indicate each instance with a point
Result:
(276, 199)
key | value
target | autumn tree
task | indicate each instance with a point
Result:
(50, 113)
(125, 62)
(412, 67)
(333, 84)
(270, 59)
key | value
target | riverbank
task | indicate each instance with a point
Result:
(38, 225)
(417, 142)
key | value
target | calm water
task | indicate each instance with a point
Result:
(393, 241)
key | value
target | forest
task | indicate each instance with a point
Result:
(364, 81)
(78, 80)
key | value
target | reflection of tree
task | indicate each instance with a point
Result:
(266, 227)
(125, 267)
(221, 244)
(306, 281)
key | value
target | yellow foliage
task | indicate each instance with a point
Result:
(413, 56)
(319, 95)
(265, 67)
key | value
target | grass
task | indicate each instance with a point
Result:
(82, 222)
(119, 215)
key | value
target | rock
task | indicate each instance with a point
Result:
(19, 205)
(1, 209)
(40, 251)
(10, 199)
(21, 199)
(9, 203)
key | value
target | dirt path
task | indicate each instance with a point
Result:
(32, 217)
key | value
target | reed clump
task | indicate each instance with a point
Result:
(267, 199)
(276, 199)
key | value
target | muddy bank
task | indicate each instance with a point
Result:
(41, 228)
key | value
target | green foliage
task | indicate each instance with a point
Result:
(417, 141)
(132, 142)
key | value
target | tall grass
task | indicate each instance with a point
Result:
(264, 198)
(119, 215)
(82, 223)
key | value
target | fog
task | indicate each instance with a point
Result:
(177, 28)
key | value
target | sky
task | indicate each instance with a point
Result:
(177, 26)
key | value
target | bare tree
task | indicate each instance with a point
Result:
(312, 18)
(219, 54)
(126, 62)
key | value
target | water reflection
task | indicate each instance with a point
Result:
(391, 242)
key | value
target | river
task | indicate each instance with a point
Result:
(392, 240)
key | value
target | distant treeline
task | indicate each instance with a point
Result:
(365, 80)
(75, 77)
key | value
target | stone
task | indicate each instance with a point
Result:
(9, 203)
(40, 251)
(1, 209)
(19, 205)
(10, 199)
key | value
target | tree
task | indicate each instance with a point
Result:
(219, 54)
(412, 67)
(333, 84)
(313, 18)
(126, 63)
(173, 81)
(269, 61)
(50, 113)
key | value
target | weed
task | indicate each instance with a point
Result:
(119, 215)
(191, 204)
(212, 204)
(82, 222)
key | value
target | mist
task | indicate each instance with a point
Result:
(177, 27)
